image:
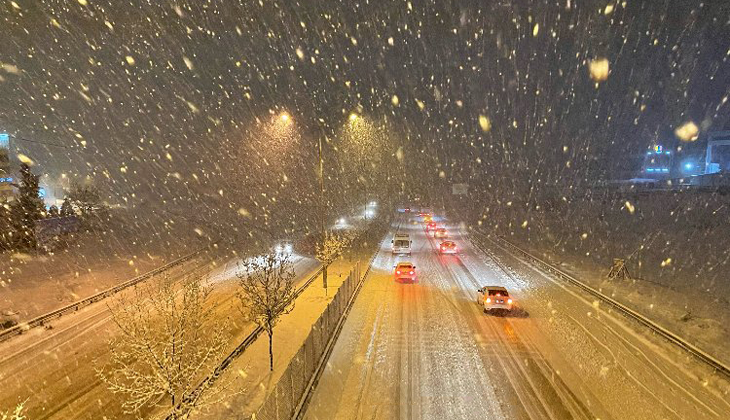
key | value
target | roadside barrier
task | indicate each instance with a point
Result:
(43, 319)
(296, 386)
(296, 379)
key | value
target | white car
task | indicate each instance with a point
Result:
(401, 244)
(494, 299)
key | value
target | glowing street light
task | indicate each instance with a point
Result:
(284, 117)
(353, 116)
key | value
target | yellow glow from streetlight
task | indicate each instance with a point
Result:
(284, 117)
(353, 116)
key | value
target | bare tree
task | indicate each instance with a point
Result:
(169, 338)
(17, 414)
(267, 292)
(328, 249)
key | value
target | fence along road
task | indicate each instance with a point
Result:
(209, 380)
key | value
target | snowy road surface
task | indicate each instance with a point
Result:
(427, 351)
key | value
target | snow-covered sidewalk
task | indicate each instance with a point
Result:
(249, 376)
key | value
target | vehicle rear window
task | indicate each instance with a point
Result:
(405, 267)
(498, 293)
(401, 242)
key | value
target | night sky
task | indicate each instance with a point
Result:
(169, 99)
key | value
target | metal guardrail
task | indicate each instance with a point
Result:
(41, 320)
(698, 353)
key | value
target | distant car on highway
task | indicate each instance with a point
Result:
(405, 271)
(440, 233)
(448, 247)
(284, 246)
(430, 226)
(494, 299)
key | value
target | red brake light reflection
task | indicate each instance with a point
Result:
(411, 272)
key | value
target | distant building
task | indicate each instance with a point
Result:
(657, 163)
(6, 177)
(52, 188)
(717, 157)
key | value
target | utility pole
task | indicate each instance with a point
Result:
(322, 203)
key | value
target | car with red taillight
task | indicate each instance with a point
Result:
(495, 299)
(440, 233)
(448, 247)
(431, 226)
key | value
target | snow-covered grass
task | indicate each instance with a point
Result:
(32, 283)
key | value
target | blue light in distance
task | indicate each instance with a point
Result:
(688, 166)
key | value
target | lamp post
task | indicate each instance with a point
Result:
(321, 192)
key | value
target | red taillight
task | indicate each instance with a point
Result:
(509, 301)
(488, 300)
(397, 272)
(411, 272)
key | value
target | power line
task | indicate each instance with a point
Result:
(40, 142)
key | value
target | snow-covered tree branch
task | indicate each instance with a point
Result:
(16, 414)
(329, 248)
(168, 340)
(267, 292)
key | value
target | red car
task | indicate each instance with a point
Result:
(405, 270)
(430, 225)
(448, 247)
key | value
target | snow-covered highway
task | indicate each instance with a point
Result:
(426, 350)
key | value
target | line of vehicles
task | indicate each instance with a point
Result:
(492, 298)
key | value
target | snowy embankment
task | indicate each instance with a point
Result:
(32, 284)
(676, 246)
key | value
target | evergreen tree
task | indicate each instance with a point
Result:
(5, 227)
(53, 212)
(27, 209)
(66, 208)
